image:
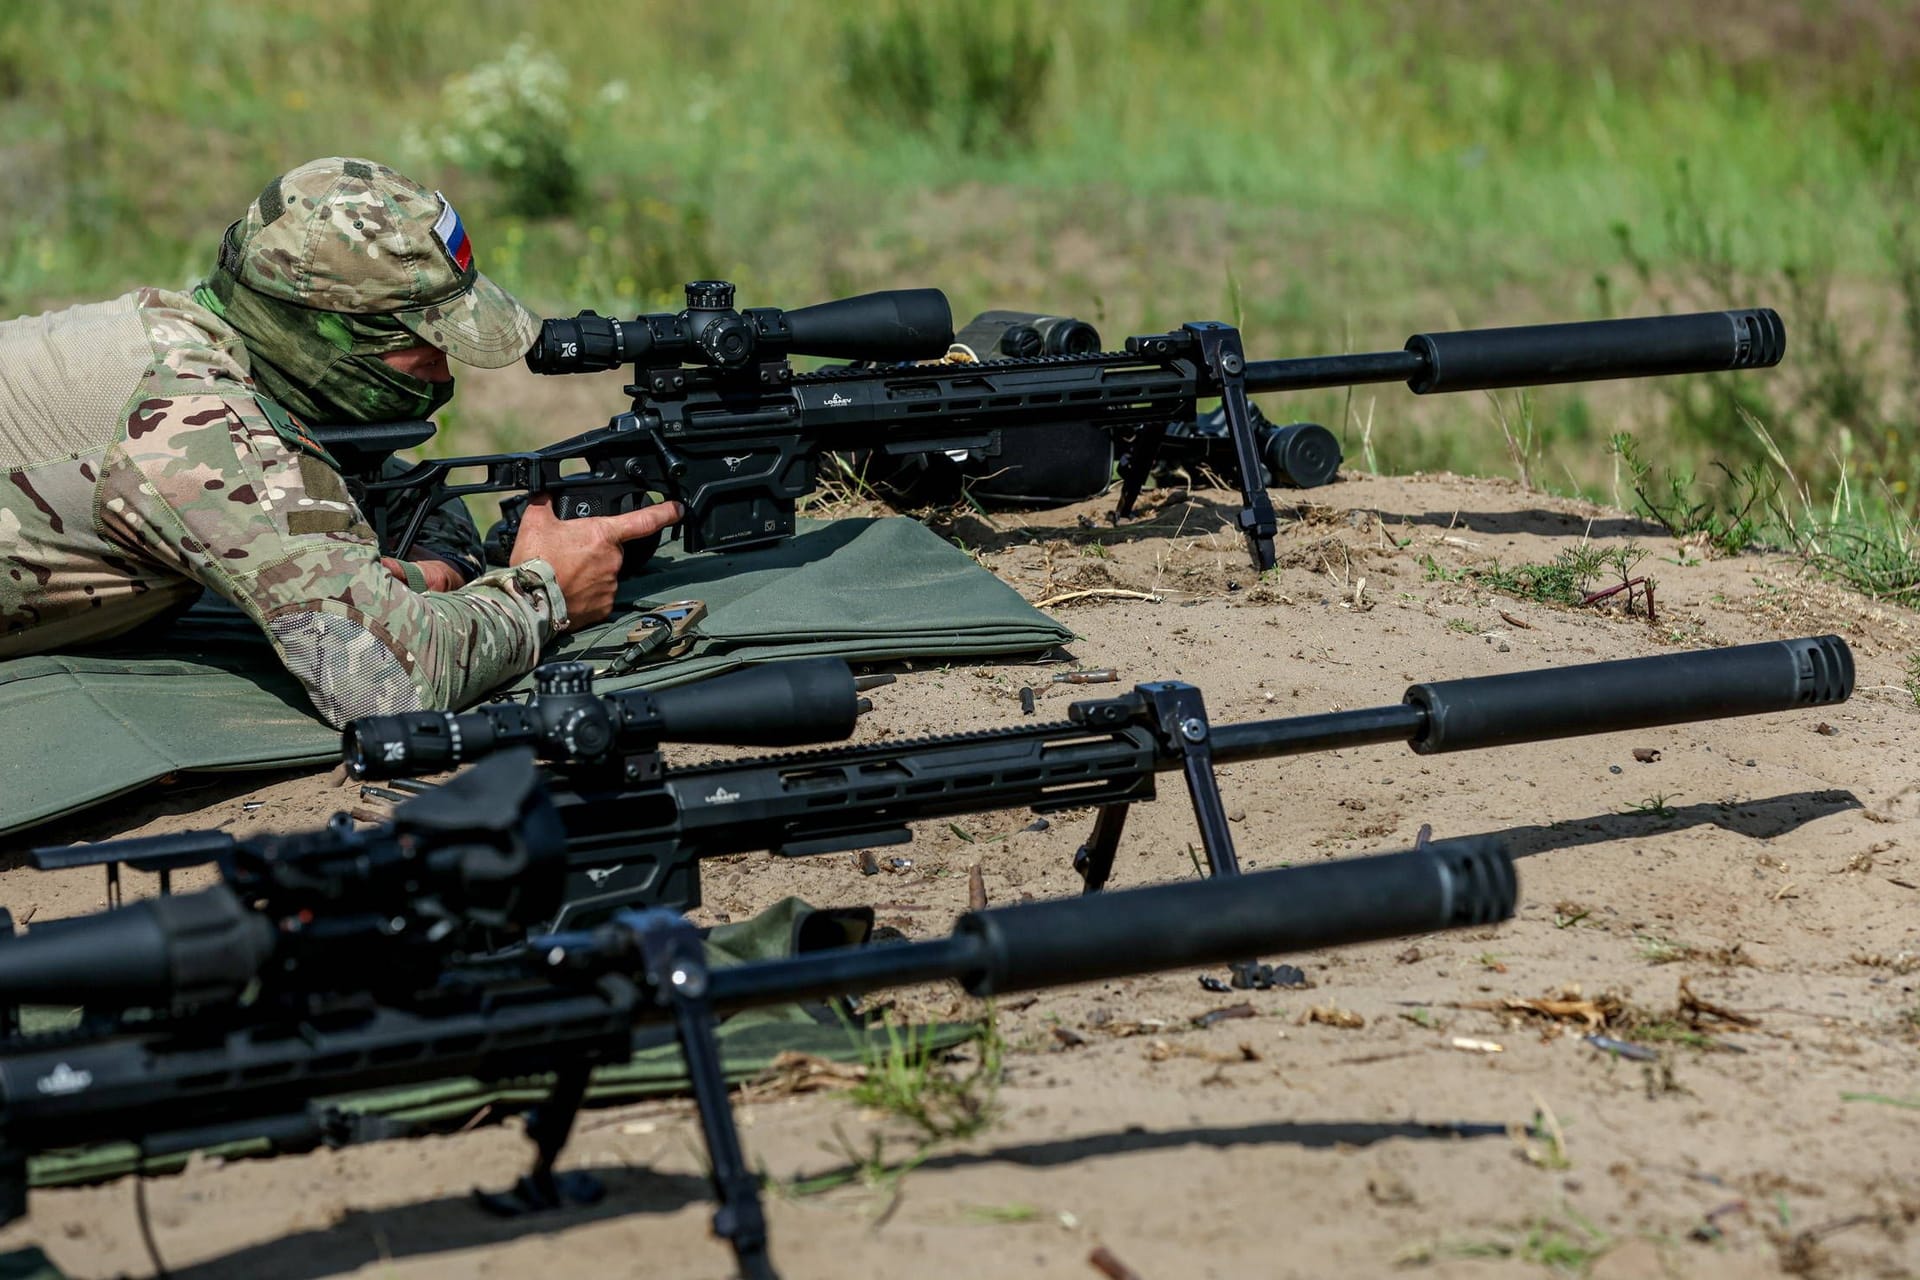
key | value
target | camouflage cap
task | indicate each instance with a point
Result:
(354, 236)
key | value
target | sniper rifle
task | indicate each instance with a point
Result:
(636, 828)
(252, 1006)
(721, 423)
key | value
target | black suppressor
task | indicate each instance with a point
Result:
(1541, 354)
(1637, 693)
(896, 324)
(1536, 355)
(1562, 702)
(1120, 933)
(780, 704)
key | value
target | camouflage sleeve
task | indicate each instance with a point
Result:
(206, 487)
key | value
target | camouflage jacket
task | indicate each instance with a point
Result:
(141, 466)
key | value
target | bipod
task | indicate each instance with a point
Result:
(676, 969)
(1217, 346)
(1226, 359)
(673, 960)
(1178, 714)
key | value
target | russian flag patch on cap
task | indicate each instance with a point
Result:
(453, 235)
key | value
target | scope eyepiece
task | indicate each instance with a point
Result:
(588, 343)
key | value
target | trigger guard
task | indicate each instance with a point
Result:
(500, 536)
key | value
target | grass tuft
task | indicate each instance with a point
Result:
(913, 1081)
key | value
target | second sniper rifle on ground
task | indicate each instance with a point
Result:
(636, 829)
(721, 423)
(339, 962)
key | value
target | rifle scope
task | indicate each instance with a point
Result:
(1566, 702)
(1542, 354)
(780, 704)
(487, 850)
(895, 324)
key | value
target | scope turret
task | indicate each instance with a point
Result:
(892, 325)
(780, 704)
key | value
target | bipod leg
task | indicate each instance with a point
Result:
(676, 966)
(1094, 859)
(1136, 465)
(1182, 716)
(739, 1220)
(13, 1184)
(1226, 360)
(543, 1189)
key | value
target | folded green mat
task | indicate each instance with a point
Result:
(749, 1043)
(28, 1264)
(209, 694)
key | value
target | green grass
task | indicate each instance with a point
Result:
(1654, 806)
(1888, 1100)
(1568, 1248)
(1332, 177)
(1002, 1214)
(913, 1081)
(1658, 950)
(1670, 1031)
(1566, 581)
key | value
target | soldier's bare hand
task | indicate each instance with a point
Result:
(440, 575)
(585, 552)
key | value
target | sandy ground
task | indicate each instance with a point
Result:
(1771, 867)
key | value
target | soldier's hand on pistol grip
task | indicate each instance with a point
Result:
(586, 552)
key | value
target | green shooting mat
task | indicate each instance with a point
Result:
(207, 693)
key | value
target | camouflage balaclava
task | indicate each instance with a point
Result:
(341, 261)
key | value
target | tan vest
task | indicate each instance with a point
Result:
(68, 382)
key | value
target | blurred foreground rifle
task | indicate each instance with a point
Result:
(721, 423)
(636, 829)
(256, 1001)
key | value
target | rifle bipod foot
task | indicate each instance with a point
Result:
(1252, 975)
(542, 1191)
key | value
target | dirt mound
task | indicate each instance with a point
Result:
(1734, 901)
